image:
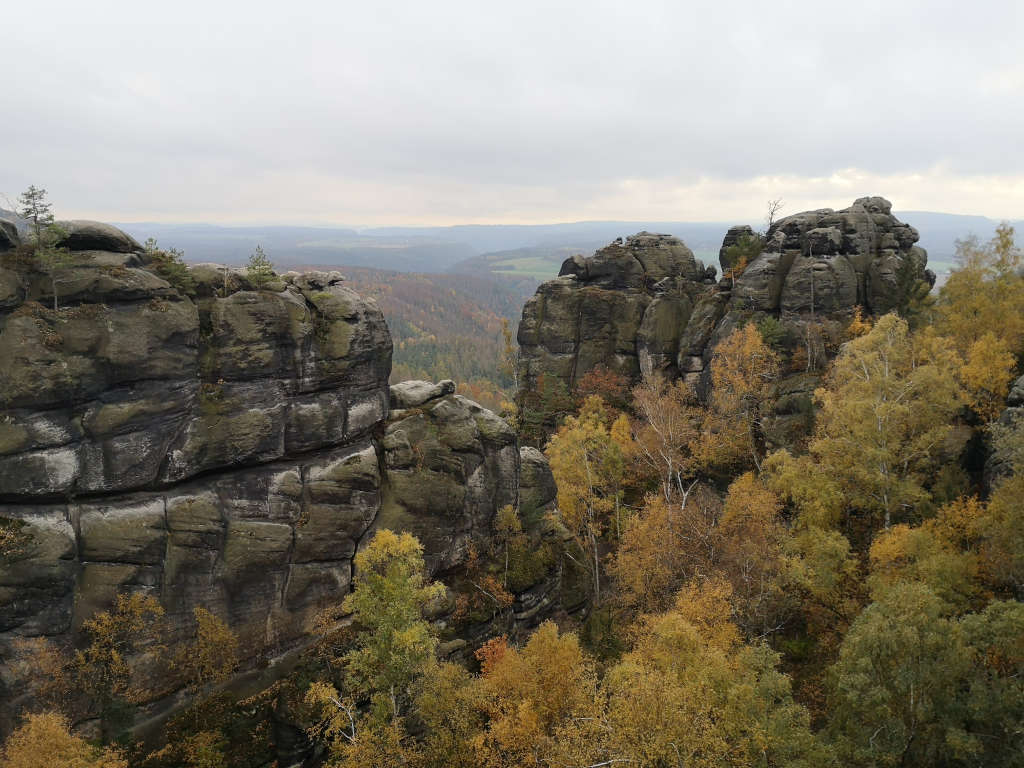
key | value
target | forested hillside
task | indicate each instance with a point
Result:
(448, 327)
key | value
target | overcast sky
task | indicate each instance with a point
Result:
(442, 111)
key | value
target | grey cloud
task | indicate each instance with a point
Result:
(208, 106)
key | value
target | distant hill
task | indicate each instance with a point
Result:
(487, 238)
(542, 262)
(526, 254)
(291, 246)
(940, 231)
(531, 264)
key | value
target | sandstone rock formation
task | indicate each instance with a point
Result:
(229, 449)
(8, 236)
(82, 235)
(648, 306)
(828, 261)
(450, 465)
(625, 307)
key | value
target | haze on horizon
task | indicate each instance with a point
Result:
(456, 112)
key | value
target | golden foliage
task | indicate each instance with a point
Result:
(743, 370)
(589, 470)
(667, 432)
(528, 693)
(987, 372)
(690, 693)
(751, 554)
(49, 672)
(376, 745)
(45, 741)
(807, 486)
(1002, 531)
(666, 543)
(708, 607)
(102, 669)
(981, 308)
(859, 325)
(449, 703)
(212, 655)
(14, 539)
(886, 407)
(201, 749)
(985, 294)
(394, 643)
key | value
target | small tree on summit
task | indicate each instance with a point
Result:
(260, 270)
(36, 210)
(45, 234)
(774, 206)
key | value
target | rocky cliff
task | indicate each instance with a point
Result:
(646, 305)
(219, 446)
(626, 307)
(830, 261)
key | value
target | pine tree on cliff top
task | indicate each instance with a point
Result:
(45, 234)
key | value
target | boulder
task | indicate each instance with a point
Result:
(732, 237)
(863, 255)
(83, 235)
(412, 394)
(537, 487)
(11, 289)
(9, 238)
(759, 286)
(1016, 397)
(317, 280)
(819, 284)
(450, 465)
(645, 306)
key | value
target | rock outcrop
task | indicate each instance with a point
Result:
(220, 447)
(828, 261)
(81, 235)
(648, 306)
(9, 238)
(450, 465)
(626, 308)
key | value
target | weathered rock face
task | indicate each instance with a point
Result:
(231, 449)
(537, 486)
(647, 305)
(134, 386)
(625, 307)
(999, 464)
(8, 236)
(828, 261)
(450, 465)
(732, 237)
